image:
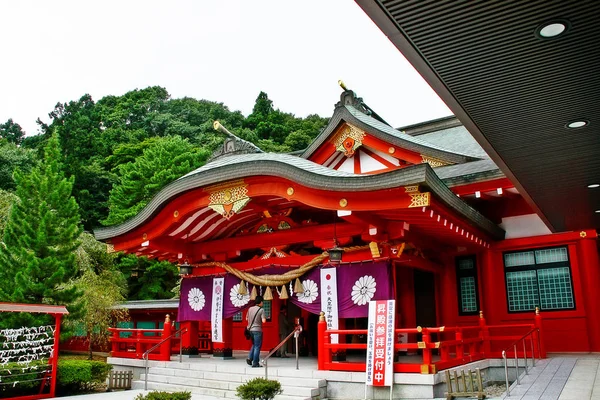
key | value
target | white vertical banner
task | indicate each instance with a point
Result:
(329, 299)
(216, 312)
(380, 343)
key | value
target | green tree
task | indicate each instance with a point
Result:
(12, 132)
(149, 279)
(11, 158)
(166, 160)
(103, 286)
(36, 258)
(7, 199)
(297, 140)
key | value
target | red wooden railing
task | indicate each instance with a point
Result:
(133, 343)
(439, 348)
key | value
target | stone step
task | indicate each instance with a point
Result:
(239, 377)
(209, 394)
(289, 388)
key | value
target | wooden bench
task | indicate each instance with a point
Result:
(119, 380)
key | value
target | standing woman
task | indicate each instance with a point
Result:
(256, 319)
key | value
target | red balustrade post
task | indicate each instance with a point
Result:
(460, 347)
(485, 335)
(114, 346)
(424, 346)
(165, 348)
(322, 327)
(540, 336)
(139, 346)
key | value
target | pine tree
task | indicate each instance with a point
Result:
(36, 256)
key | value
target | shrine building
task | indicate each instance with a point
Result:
(419, 214)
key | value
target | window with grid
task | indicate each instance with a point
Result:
(267, 309)
(539, 278)
(237, 317)
(466, 278)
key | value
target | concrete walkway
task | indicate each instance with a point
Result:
(561, 377)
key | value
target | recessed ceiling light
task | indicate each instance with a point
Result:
(577, 124)
(552, 29)
(594, 185)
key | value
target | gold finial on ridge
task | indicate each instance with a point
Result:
(342, 84)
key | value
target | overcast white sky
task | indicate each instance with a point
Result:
(219, 50)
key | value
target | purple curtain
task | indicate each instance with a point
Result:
(196, 298)
(357, 285)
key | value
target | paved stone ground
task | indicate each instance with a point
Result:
(561, 377)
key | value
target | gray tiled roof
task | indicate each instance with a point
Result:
(306, 173)
(294, 161)
(468, 172)
(148, 304)
(438, 145)
(386, 133)
(457, 139)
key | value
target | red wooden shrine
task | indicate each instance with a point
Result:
(426, 199)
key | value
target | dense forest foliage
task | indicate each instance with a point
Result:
(110, 157)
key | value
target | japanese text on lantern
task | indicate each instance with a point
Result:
(380, 344)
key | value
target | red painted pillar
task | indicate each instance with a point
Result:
(57, 319)
(540, 336)
(589, 269)
(165, 348)
(224, 349)
(485, 335)
(321, 328)
(424, 346)
(489, 285)
(189, 339)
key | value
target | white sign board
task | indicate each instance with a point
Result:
(329, 300)
(216, 313)
(380, 343)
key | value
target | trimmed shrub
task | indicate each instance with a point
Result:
(259, 389)
(165, 396)
(75, 376)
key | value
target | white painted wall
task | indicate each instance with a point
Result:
(524, 226)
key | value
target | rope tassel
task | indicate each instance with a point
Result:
(298, 288)
(253, 294)
(268, 294)
(242, 289)
(284, 294)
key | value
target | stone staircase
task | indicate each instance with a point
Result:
(218, 381)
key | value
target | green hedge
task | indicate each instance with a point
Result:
(76, 376)
(165, 396)
(259, 389)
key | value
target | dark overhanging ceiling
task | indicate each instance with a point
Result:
(514, 91)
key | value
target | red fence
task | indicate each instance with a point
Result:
(439, 348)
(133, 343)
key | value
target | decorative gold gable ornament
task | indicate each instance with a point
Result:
(349, 139)
(417, 199)
(229, 201)
(434, 162)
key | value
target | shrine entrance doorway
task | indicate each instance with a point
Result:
(425, 304)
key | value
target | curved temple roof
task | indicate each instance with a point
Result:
(306, 173)
(349, 110)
